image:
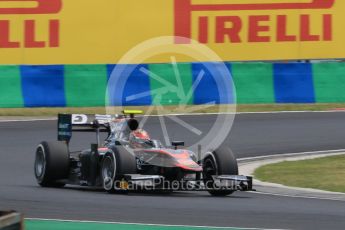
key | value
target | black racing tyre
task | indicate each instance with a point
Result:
(219, 162)
(114, 165)
(51, 164)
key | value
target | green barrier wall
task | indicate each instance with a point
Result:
(10, 87)
(253, 82)
(167, 72)
(85, 85)
(329, 82)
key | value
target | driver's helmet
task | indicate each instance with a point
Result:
(139, 138)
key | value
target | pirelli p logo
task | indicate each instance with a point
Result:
(219, 21)
(28, 9)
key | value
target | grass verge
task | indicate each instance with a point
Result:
(173, 109)
(323, 173)
(75, 225)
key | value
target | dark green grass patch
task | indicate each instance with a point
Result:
(323, 173)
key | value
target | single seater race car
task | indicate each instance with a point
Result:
(129, 159)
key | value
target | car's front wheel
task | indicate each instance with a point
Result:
(219, 162)
(108, 171)
(115, 164)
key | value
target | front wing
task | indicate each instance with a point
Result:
(156, 182)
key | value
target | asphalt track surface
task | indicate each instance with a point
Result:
(252, 135)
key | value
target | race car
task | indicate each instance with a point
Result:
(128, 159)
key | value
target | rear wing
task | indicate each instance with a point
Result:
(69, 123)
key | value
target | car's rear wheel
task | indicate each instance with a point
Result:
(51, 164)
(219, 162)
(108, 171)
(115, 164)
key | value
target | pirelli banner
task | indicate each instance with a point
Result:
(103, 31)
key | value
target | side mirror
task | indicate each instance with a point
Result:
(177, 143)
